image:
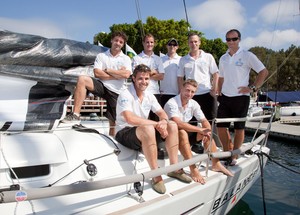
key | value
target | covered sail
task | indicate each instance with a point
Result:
(37, 76)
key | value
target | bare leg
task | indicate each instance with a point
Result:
(216, 164)
(146, 134)
(172, 142)
(185, 150)
(112, 125)
(239, 135)
(84, 83)
(225, 138)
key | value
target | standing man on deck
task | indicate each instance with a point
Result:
(200, 66)
(154, 62)
(234, 89)
(111, 69)
(169, 85)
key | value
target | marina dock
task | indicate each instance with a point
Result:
(286, 128)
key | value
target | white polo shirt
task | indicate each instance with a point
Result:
(153, 62)
(106, 61)
(169, 85)
(174, 109)
(201, 70)
(128, 101)
(236, 69)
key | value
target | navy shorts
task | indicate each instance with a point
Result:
(208, 105)
(233, 107)
(127, 137)
(110, 97)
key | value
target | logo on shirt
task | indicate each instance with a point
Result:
(123, 101)
(239, 62)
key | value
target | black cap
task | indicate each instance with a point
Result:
(173, 40)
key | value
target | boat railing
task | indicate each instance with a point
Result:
(244, 119)
(47, 192)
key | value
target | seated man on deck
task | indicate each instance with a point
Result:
(111, 69)
(181, 109)
(137, 132)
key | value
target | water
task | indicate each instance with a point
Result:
(282, 187)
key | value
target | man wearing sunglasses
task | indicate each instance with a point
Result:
(234, 89)
(169, 85)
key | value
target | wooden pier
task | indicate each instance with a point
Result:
(289, 130)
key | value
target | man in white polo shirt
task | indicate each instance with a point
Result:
(202, 67)
(111, 69)
(154, 62)
(234, 89)
(181, 109)
(169, 85)
(137, 132)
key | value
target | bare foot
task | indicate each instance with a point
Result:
(195, 175)
(218, 167)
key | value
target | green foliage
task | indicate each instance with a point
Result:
(283, 66)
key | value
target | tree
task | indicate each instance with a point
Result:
(283, 66)
(162, 30)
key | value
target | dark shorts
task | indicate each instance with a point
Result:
(110, 97)
(192, 137)
(233, 107)
(208, 105)
(127, 137)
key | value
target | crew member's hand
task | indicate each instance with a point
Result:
(244, 90)
(161, 127)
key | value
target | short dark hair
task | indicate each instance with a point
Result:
(193, 34)
(119, 34)
(235, 30)
(141, 68)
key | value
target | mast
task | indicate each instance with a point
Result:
(137, 5)
(186, 15)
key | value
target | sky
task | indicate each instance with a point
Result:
(273, 24)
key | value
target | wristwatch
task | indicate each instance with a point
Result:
(253, 88)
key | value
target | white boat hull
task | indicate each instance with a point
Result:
(50, 168)
(290, 111)
(65, 149)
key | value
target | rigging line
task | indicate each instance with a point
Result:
(269, 157)
(138, 10)
(261, 163)
(275, 25)
(7, 163)
(69, 173)
(281, 65)
(186, 15)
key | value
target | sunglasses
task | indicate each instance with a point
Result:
(232, 39)
(172, 44)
